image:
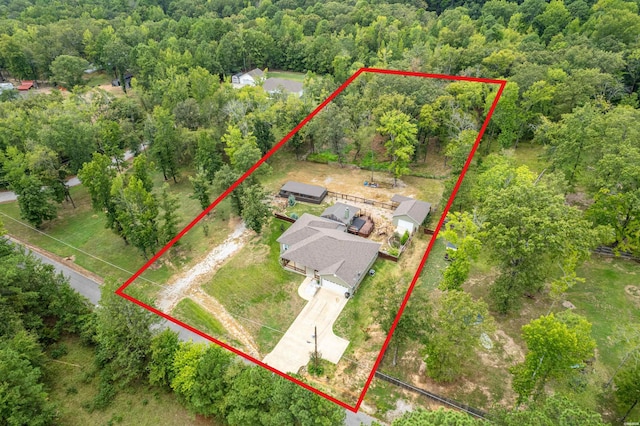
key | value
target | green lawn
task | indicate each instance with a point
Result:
(73, 383)
(288, 75)
(252, 285)
(193, 314)
(530, 155)
(97, 78)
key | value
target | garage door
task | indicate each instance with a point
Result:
(403, 224)
(330, 285)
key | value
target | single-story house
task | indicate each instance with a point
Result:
(280, 85)
(342, 213)
(303, 192)
(320, 248)
(249, 78)
(25, 85)
(410, 214)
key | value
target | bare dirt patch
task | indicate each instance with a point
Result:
(634, 293)
(347, 180)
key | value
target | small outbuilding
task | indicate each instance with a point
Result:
(25, 85)
(410, 215)
(303, 192)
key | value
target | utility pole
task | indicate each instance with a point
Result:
(315, 337)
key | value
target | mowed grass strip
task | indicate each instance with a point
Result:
(196, 316)
(287, 75)
(257, 290)
(72, 383)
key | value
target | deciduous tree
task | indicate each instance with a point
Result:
(456, 326)
(554, 345)
(68, 70)
(402, 140)
(255, 210)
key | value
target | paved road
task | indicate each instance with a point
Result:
(90, 289)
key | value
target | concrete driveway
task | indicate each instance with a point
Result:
(294, 349)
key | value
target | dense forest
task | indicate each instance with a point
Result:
(573, 71)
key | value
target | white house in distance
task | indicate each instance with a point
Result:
(250, 78)
(410, 214)
(322, 249)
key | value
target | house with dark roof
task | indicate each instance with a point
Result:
(321, 248)
(249, 78)
(281, 85)
(303, 192)
(342, 213)
(410, 214)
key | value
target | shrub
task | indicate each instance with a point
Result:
(59, 351)
(404, 238)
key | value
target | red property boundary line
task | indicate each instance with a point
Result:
(354, 408)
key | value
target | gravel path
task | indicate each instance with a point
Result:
(189, 284)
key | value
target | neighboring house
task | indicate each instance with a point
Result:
(410, 214)
(25, 85)
(6, 86)
(250, 78)
(303, 192)
(342, 213)
(320, 248)
(280, 85)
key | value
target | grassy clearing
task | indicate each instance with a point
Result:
(530, 155)
(72, 385)
(97, 78)
(252, 285)
(84, 230)
(287, 75)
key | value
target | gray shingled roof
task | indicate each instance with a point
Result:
(338, 210)
(397, 198)
(303, 188)
(280, 84)
(305, 227)
(256, 72)
(415, 209)
(330, 251)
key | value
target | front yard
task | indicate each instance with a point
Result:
(257, 291)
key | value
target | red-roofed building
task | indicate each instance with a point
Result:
(25, 85)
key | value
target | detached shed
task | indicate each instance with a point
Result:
(303, 192)
(410, 215)
(25, 85)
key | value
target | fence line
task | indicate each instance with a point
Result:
(388, 206)
(608, 251)
(283, 217)
(441, 399)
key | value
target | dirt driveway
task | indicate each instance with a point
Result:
(294, 349)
